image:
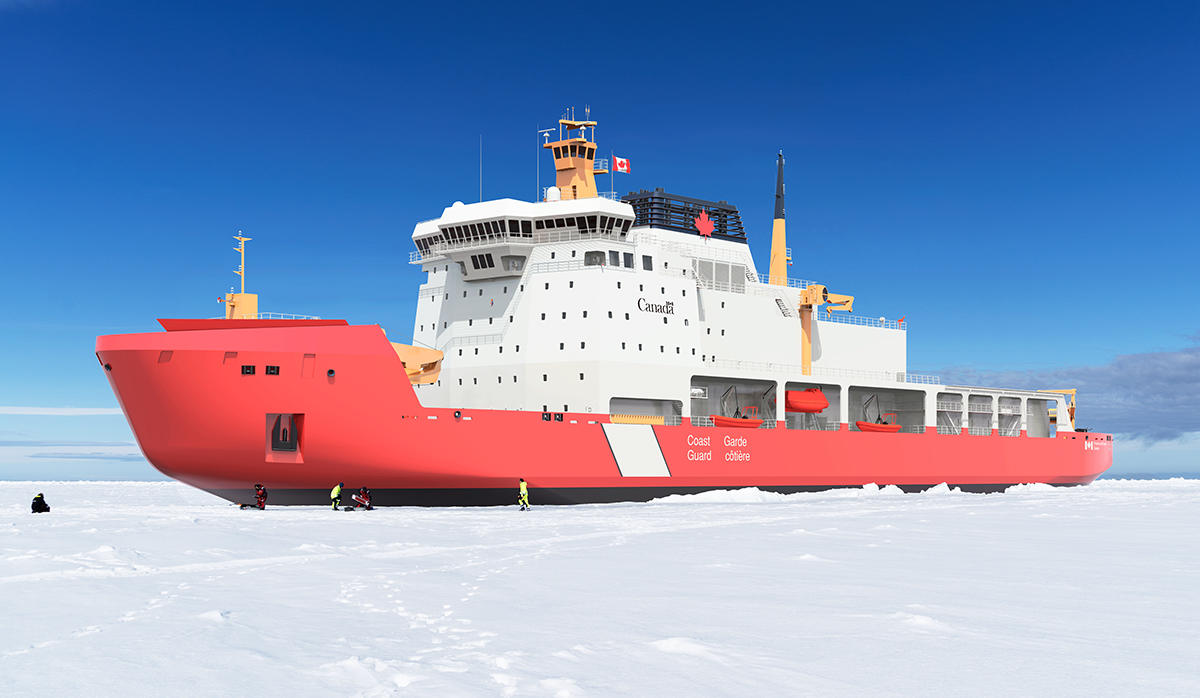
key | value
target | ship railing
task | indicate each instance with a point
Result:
(790, 283)
(820, 371)
(569, 195)
(701, 421)
(979, 409)
(575, 234)
(844, 319)
(271, 316)
(1010, 431)
(912, 429)
(1009, 409)
(672, 420)
(473, 340)
(950, 406)
(572, 265)
(949, 431)
(431, 292)
(979, 431)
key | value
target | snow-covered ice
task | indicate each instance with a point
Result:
(158, 589)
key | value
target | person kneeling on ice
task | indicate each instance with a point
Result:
(39, 504)
(523, 495)
(260, 499)
(335, 495)
(362, 498)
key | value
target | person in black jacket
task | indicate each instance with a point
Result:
(39, 504)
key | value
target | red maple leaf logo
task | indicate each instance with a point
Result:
(704, 225)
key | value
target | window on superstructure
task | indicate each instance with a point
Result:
(561, 346)
(547, 285)
(603, 222)
(685, 293)
(538, 224)
(585, 313)
(481, 290)
(581, 376)
(475, 261)
(663, 290)
(582, 345)
(685, 322)
(593, 258)
(460, 352)
(610, 224)
(490, 264)
(513, 228)
(475, 381)
(526, 229)
(618, 285)
(476, 351)
(570, 284)
(506, 289)
(676, 350)
(490, 320)
(502, 227)
(544, 379)
(501, 349)
(591, 223)
(591, 154)
(543, 316)
(557, 153)
(647, 263)
(662, 349)
(610, 315)
(549, 223)
(639, 347)
(625, 226)
(560, 223)
(460, 381)
(614, 258)
(570, 222)
(564, 316)
(574, 150)
(470, 322)
(626, 316)
(572, 253)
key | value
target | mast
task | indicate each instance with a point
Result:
(777, 269)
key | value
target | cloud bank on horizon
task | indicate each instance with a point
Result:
(1150, 396)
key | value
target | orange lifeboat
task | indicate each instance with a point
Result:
(883, 426)
(810, 401)
(740, 422)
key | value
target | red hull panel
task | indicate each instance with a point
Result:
(198, 419)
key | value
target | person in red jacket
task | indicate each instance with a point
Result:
(362, 498)
(260, 499)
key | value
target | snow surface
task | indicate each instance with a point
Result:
(153, 588)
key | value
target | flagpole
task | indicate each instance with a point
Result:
(612, 173)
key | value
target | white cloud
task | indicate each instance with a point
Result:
(58, 411)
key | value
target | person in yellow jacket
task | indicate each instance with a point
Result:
(336, 495)
(523, 496)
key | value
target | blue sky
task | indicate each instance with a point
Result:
(1018, 180)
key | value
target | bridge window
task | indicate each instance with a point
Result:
(557, 153)
(647, 263)
(614, 258)
(594, 258)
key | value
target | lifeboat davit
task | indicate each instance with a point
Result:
(810, 401)
(739, 422)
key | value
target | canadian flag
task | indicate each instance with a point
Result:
(620, 164)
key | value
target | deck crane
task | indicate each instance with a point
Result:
(1070, 407)
(814, 296)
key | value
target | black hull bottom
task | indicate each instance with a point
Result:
(488, 497)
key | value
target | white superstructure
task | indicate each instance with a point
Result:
(566, 306)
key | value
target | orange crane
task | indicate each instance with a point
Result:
(812, 297)
(1070, 407)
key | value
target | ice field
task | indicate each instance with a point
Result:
(153, 588)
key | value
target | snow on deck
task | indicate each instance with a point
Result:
(153, 588)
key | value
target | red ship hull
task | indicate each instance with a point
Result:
(198, 419)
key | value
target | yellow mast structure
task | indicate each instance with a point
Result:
(575, 159)
(241, 305)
